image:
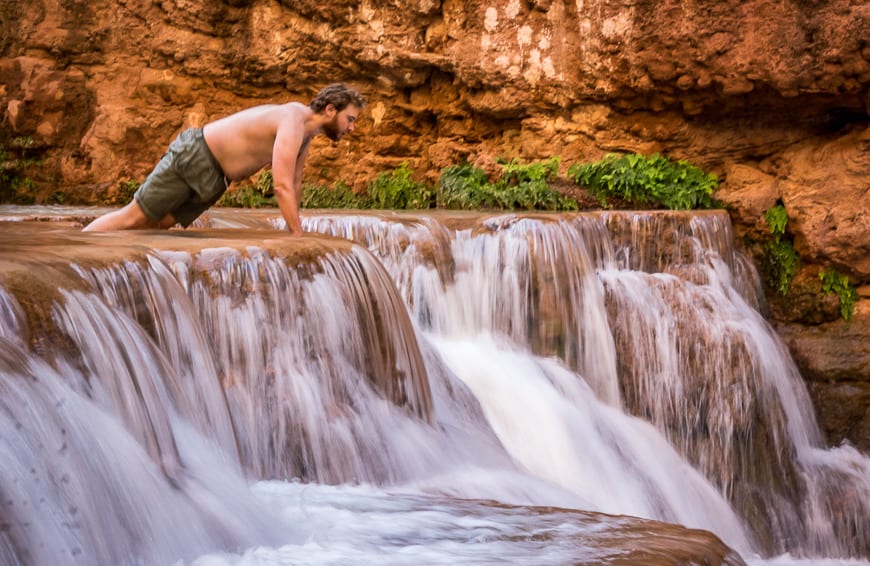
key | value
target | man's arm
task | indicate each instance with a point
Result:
(297, 179)
(286, 167)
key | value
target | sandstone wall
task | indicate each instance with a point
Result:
(770, 94)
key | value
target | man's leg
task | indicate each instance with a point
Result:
(131, 217)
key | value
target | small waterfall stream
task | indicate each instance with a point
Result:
(613, 363)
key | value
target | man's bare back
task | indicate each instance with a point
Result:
(243, 142)
(192, 176)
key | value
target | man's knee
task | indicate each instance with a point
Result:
(168, 221)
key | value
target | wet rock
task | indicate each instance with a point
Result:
(771, 96)
(835, 359)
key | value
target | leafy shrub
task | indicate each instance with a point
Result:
(781, 259)
(837, 283)
(522, 186)
(246, 196)
(654, 180)
(781, 263)
(527, 186)
(258, 195)
(463, 187)
(265, 184)
(338, 196)
(398, 190)
(777, 219)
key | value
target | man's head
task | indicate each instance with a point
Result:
(340, 96)
(341, 105)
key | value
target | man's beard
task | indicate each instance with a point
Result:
(331, 129)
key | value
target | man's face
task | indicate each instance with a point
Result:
(341, 123)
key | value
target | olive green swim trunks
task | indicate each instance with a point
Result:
(185, 182)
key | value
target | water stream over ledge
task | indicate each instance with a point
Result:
(454, 388)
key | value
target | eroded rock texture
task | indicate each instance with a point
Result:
(771, 95)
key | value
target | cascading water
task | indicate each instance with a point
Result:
(613, 363)
(80, 486)
(657, 313)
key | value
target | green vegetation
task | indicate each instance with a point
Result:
(781, 259)
(527, 186)
(782, 262)
(125, 191)
(463, 187)
(777, 219)
(521, 186)
(647, 180)
(838, 284)
(15, 159)
(338, 196)
(258, 195)
(398, 190)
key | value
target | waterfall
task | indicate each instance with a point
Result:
(78, 487)
(612, 363)
(657, 313)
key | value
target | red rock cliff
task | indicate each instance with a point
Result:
(770, 94)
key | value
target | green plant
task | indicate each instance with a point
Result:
(521, 186)
(516, 172)
(246, 196)
(265, 183)
(15, 186)
(125, 191)
(398, 190)
(781, 259)
(527, 186)
(838, 284)
(462, 187)
(653, 179)
(781, 263)
(777, 219)
(258, 195)
(338, 196)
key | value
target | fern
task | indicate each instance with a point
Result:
(838, 284)
(259, 195)
(781, 264)
(652, 180)
(398, 190)
(524, 186)
(338, 196)
(463, 187)
(777, 219)
(781, 259)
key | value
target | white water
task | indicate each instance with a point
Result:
(511, 426)
(682, 310)
(553, 425)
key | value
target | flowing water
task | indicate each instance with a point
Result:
(453, 389)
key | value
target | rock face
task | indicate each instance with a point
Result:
(772, 96)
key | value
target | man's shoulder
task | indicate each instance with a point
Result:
(293, 107)
(291, 111)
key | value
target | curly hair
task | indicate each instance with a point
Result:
(339, 95)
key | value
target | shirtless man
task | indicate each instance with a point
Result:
(201, 162)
